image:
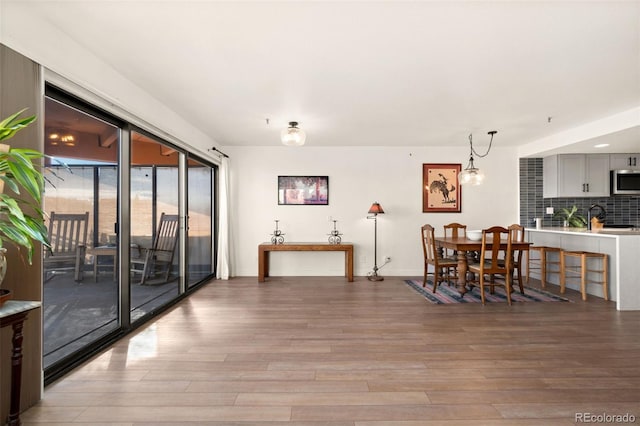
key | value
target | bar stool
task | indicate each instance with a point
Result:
(542, 262)
(581, 271)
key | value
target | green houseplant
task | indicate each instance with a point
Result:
(21, 217)
(571, 217)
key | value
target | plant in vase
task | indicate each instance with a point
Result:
(21, 218)
(571, 217)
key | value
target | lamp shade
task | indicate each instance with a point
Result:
(376, 208)
(293, 135)
(471, 176)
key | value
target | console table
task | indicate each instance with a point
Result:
(14, 313)
(265, 248)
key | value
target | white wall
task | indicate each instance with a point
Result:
(357, 177)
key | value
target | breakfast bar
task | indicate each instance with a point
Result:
(265, 248)
(622, 247)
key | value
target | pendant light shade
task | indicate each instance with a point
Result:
(293, 135)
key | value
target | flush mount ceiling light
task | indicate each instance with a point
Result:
(471, 174)
(293, 135)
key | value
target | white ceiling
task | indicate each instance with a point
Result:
(372, 72)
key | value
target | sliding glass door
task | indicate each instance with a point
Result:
(200, 225)
(81, 172)
(103, 175)
(154, 263)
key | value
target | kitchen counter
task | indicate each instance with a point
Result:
(594, 232)
(621, 245)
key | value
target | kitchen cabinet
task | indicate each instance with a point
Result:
(624, 161)
(576, 175)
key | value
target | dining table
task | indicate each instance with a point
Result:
(466, 249)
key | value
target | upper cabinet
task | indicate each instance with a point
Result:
(625, 161)
(576, 175)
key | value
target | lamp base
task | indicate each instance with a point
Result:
(375, 277)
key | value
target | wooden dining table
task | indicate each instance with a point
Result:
(466, 248)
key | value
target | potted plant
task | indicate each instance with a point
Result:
(21, 217)
(571, 217)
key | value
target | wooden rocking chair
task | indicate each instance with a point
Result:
(158, 260)
(68, 239)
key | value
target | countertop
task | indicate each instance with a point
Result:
(604, 232)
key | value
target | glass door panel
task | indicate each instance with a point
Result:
(79, 306)
(154, 230)
(200, 204)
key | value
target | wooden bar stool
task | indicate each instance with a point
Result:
(542, 262)
(582, 271)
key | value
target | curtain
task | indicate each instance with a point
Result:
(222, 269)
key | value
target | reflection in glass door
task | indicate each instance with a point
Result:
(154, 225)
(80, 306)
(200, 204)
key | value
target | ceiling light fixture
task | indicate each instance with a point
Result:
(293, 135)
(471, 174)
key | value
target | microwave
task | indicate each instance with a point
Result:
(625, 182)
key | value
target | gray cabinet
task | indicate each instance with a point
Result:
(576, 175)
(624, 161)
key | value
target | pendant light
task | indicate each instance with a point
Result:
(471, 175)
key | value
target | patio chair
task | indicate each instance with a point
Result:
(68, 238)
(158, 260)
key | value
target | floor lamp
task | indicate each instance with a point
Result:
(374, 211)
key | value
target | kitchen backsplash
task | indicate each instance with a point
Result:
(620, 209)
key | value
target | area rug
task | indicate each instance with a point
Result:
(449, 294)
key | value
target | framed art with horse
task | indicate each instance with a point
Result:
(440, 188)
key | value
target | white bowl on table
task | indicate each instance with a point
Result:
(475, 235)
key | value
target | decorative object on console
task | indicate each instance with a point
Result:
(303, 190)
(374, 211)
(471, 174)
(441, 191)
(293, 135)
(334, 236)
(278, 236)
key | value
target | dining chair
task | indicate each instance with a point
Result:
(496, 257)
(453, 230)
(445, 269)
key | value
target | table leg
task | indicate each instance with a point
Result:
(16, 374)
(348, 267)
(263, 264)
(462, 272)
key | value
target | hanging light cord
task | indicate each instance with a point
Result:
(473, 151)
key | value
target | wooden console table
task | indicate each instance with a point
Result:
(14, 313)
(265, 248)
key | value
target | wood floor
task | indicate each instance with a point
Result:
(324, 352)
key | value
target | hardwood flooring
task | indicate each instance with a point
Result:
(324, 352)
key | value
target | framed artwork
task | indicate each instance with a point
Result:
(441, 191)
(303, 190)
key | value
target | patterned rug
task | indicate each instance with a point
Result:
(449, 294)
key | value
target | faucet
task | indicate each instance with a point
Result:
(601, 215)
